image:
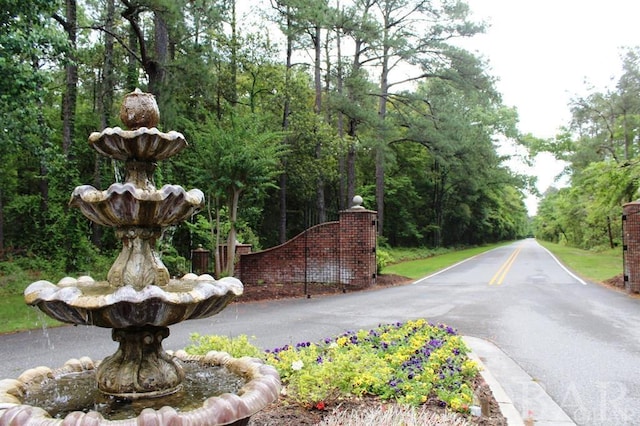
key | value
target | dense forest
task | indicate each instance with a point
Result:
(290, 108)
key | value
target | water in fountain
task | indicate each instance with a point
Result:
(79, 392)
(138, 301)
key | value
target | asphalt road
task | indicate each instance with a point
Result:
(580, 341)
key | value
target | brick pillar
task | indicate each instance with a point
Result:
(200, 260)
(631, 246)
(357, 246)
(240, 250)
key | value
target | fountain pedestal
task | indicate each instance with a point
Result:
(137, 264)
(140, 368)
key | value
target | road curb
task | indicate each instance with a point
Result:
(515, 391)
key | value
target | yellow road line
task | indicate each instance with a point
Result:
(498, 278)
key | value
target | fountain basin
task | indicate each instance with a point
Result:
(259, 386)
(85, 301)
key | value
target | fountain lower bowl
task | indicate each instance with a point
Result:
(87, 302)
(261, 387)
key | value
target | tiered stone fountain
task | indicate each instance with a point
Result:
(138, 301)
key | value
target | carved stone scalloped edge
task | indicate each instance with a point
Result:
(132, 134)
(69, 290)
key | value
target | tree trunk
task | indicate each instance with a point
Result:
(155, 67)
(344, 201)
(285, 126)
(231, 240)
(234, 56)
(105, 103)
(215, 237)
(380, 187)
(320, 201)
(610, 233)
(317, 76)
(108, 83)
(43, 179)
(380, 146)
(132, 81)
(1, 223)
(353, 126)
(69, 98)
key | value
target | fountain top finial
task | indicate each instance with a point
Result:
(139, 109)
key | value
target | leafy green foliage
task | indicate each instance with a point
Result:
(236, 347)
(383, 258)
(252, 122)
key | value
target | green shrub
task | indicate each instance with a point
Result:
(236, 347)
(13, 278)
(383, 258)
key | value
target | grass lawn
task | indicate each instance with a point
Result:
(422, 267)
(594, 266)
(15, 315)
(591, 265)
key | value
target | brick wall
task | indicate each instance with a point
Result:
(631, 246)
(339, 254)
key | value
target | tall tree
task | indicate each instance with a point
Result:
(309, 20)
(357, 23)
(27, 42)
(239, 156)
(603, 158)
(151, 54)
(414, 32)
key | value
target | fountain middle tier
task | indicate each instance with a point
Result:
(125, 204)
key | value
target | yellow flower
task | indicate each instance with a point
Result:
(469, 366)
(455, 404)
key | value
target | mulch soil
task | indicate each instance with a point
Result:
(284, 413)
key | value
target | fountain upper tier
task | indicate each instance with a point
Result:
(137, 202)
(142, 144)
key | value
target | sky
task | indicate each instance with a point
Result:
(545, 52)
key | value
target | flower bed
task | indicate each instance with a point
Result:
(409, 363)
